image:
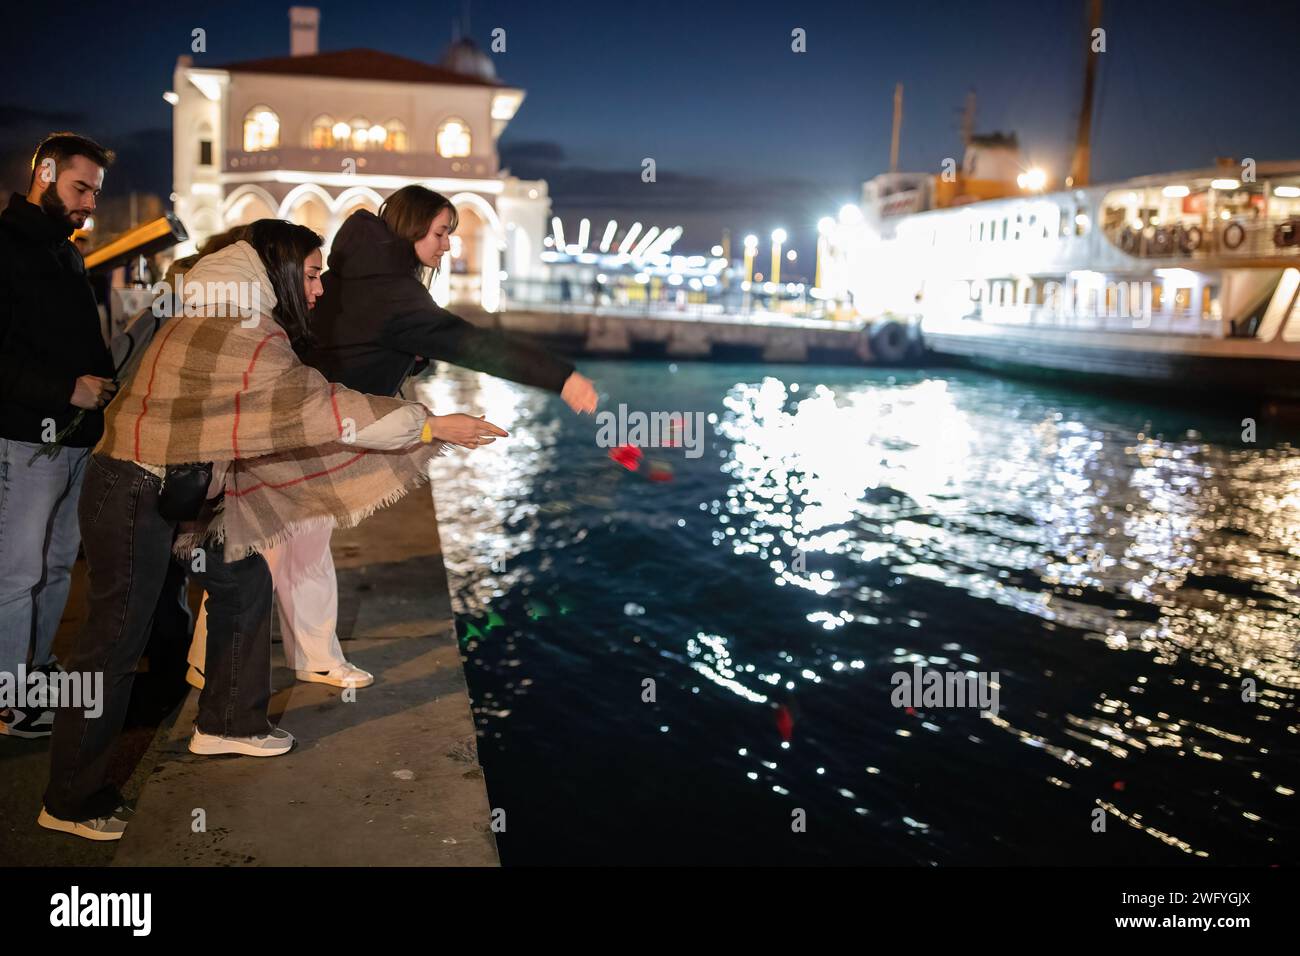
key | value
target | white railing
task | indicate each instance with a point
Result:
(1173, 322)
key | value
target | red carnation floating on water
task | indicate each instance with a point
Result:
(629, 456)
(660, 471)
(784, 722)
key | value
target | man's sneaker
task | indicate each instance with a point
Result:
(194, 677)
(110, 827)
(263, 745)
(345, 675)
(26, 723)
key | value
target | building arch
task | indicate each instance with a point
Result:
(247, 204)
(349, 201)
(296, 195)
(482, 244)
(309, 210)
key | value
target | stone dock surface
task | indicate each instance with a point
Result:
(390, 778)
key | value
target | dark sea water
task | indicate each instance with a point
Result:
(1126, 575)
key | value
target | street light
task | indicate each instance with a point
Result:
(751, 247)
(778, 237)
(824, 226)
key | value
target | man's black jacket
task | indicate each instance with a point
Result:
(49, 328)
(376, 317)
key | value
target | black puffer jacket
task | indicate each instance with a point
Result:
(49, 328)
(376, 317)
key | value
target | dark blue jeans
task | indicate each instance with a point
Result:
(128, 553)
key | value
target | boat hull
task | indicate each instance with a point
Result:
(1225, 367)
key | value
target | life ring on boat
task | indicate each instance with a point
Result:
(1129, 239)
(890, 342)
(1162, 242)
(1189, 239)
(1234, 235)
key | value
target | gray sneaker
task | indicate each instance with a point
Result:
(110, 827)
(26, 723)
(274, 744)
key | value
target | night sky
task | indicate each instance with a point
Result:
(746, 134)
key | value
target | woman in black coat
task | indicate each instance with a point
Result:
(375, 325)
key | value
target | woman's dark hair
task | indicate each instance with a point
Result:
(283, 246)
(410, 211)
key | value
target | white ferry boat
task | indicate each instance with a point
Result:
(1184, 280)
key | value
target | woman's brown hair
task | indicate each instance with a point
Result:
(410, 212)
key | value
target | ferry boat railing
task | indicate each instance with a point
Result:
(1244, 237)
(1184, 322)
(636, 300)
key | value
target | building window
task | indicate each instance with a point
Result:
(360, 138)
(395, 140)
(261, 129)
(377, 137)
(453, 138)
(322, 132)
(205, 152)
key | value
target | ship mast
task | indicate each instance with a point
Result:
(898, 126)
(1080, 165)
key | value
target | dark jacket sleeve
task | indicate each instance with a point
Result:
(419, 326)
(22, 380)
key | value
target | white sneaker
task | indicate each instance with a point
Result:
(194, 677)
(110, 827)
(345, 675)
(274, 744)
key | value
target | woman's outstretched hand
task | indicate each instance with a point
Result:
(465, 430)
(579, 394)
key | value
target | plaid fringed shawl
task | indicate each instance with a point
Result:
(225, 385)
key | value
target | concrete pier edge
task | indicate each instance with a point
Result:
(389, 778)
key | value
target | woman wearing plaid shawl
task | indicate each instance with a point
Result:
(222, 382)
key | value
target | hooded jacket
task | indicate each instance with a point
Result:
(376, 317)
(49, 328)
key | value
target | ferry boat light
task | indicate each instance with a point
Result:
(1034, 180)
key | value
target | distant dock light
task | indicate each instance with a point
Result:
(630, 238)
(609, 236)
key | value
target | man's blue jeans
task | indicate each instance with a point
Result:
(38, 546)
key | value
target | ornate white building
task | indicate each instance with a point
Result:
(312, 137)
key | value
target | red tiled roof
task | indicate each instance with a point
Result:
(358, 64)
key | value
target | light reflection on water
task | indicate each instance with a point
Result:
(1121, 578)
